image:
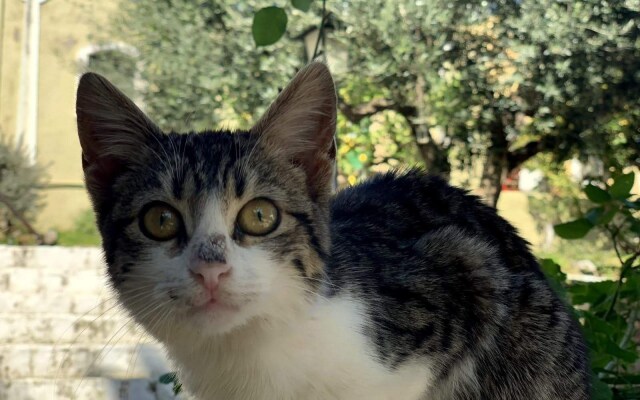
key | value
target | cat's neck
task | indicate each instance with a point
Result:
(325, 347)
(339, 313)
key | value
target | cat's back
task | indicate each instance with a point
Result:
(407, 205)
(448, 282)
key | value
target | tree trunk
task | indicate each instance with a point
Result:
(435, 157)
(495, 166)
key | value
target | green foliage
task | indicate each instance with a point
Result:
(171, 378)
(574, 230)
(622, 185)
(269, 24)
(83, 233)
(118, 67)
(609, 310)
(199, 64)
(613, 200)
(372, 145)
(302, 5)
(503, 79)
(482, 82)
(597, 195)
(20, 185)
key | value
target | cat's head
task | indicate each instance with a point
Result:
(211, 231)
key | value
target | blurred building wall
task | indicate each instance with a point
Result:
(65, 35)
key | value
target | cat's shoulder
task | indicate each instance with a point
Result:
(401, 182)
(411, 192)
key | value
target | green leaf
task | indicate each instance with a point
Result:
(167, 378)
(634, 205)
(594, 215)
(177, 388)
(597, 324)
(555, 276)
(635, 227)
(600, 390)
(607, 216)
(591, 292)
(615, 350)
(623, 379)
(269, 24)
(552, 269)
(573, 230)
(597, 195)
(600, 216)
(631, 288)
(622, 186)
(302, 5)
(352, 158)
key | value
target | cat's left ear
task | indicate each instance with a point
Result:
(300, 126)
(113, 133)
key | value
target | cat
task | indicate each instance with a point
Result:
(231, 249)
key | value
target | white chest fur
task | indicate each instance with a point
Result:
(323, 357)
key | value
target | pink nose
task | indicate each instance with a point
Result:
(209, 274)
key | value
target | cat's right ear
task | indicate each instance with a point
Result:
(300, 126)
(112, 131)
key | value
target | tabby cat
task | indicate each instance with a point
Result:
(231, 249)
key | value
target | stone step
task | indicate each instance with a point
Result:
(34, 281)
(57, 303)
(67, 328)
(51, 257)
(86, 389)
(101, 360)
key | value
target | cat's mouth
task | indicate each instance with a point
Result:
(212, 304)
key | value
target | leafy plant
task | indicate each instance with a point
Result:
(609, 310)
(20, 196)
(171, 378)
(270, 23)
(83, 233)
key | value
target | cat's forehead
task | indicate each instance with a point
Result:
(199, 162)
(198, 170)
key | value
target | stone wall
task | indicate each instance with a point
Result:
(61, 335)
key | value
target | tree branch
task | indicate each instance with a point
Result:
(7, 202)
(356, 113)
(518, 156)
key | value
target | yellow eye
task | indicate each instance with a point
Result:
(160, 221)
(258, 217)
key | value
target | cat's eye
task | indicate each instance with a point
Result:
(159, 221)
(258, 217)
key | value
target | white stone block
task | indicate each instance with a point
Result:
(51, 257)
(78, 389)
(111, 360)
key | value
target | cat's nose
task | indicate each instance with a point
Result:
(209, 274)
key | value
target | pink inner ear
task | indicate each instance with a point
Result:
(101, 173)
(300, 125)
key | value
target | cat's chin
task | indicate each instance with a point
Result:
(216, 318)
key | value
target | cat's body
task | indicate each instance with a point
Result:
(231, 250)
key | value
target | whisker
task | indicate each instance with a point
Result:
(115, 306)
(149, 308)
(133, 360)
(75, 339)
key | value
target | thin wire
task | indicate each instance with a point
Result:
(321, 32)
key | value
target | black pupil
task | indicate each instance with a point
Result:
(164, 217)
(259, 214)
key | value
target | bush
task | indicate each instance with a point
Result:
(83, 233)
(609, 310)
(20, 196)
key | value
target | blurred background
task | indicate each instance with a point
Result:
(534, 105)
